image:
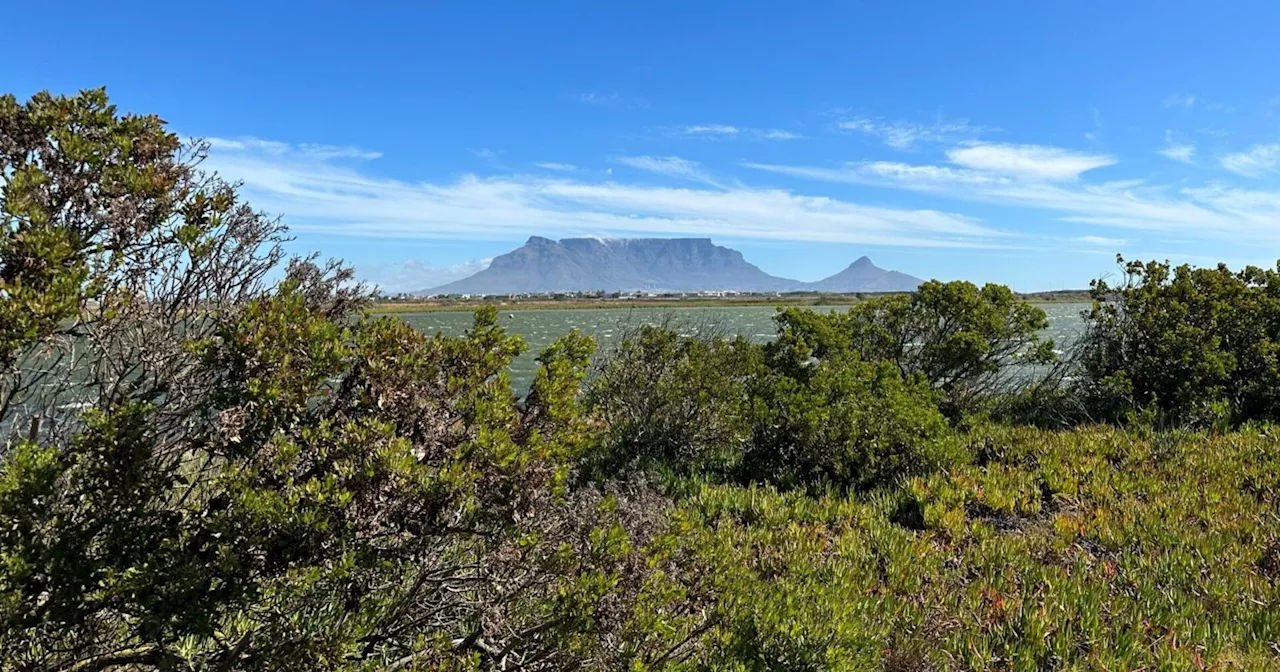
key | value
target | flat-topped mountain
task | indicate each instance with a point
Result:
(655, 264)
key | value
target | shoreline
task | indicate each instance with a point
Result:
(809, 301)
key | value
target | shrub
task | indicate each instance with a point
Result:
(844, 422)
(1195, 346)
(673, 399)
(960, 338)
(727, 408)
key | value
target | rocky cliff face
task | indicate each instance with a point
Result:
(653, 264)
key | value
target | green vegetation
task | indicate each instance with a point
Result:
(1199, 345)
(206, 469)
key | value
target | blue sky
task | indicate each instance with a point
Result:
(1015, 142)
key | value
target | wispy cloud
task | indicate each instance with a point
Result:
(1205, 213)
(561, 167)
(907, 134)
(1038, 162)
(1101, 241)
(340, 199)
(665, 165)
(1254, 161)
(726, 132)
(611, 99)
(413, 275)
(1183, 152)
(273, 147)
(711, 129)
(1185, 101)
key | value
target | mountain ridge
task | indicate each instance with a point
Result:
(543, 265)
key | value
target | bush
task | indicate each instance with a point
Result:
(842, 421)
(728, 408)
(960, 338)
(1191, 346)
(672, 399)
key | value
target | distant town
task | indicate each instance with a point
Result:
(411, 302)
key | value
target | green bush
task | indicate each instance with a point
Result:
(1185, 346)
(961, 338)
(727, 408)
(846, 423)
(673, 400)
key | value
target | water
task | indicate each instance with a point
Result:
(540, 327)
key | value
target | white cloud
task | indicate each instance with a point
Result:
(1027, 161)
(332, 198)
(1183, 152)
(1254, 161)
(664, 165)
(1197, 213)
(412, 275)
(1180, 153)
(711, 129)
(1183, 100)
(1101, 241)
(562, 167)
(272, 147)
(907, 134)
(725, 131)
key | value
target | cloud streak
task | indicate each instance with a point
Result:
(1253, 162)
(728, 132)
(907, 135)
(666, 165)
(1037, 162)
(1197, 213)
(328, 196)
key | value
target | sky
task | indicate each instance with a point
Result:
(1011, 142)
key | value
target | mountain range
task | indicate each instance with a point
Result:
(652, 264)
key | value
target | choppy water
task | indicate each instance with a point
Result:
(540, 327)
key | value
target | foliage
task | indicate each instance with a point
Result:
(959, 337)
(730, 409)
(1088, 549)
(841, 421)
(674, 395)
(256, 477)
(1193, 346)
(208, 470)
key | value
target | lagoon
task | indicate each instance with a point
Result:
(540, 327)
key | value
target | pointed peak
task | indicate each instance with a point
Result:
(539, 240)
(862, 262)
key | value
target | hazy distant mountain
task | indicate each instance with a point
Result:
(655, 264)
(864, 276)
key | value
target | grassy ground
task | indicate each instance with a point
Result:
(1092, 549)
